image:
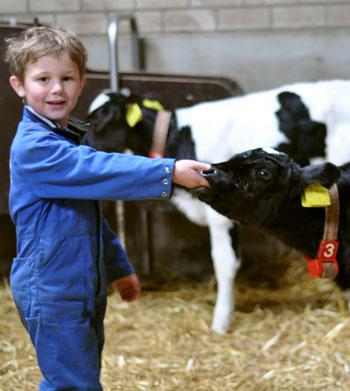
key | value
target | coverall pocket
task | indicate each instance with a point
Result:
(20, 284)
(62, 277)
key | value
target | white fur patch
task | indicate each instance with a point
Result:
(271, 151)
(100, 100)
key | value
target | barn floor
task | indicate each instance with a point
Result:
(292, 333)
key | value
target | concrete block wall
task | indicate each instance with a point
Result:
(259, 43)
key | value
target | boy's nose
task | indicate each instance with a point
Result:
(57, 87)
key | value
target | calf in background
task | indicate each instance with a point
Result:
(305, 120)
(264, 188)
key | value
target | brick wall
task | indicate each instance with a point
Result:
(195, 16)
(203, 29)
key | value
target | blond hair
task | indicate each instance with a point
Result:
(36, 42)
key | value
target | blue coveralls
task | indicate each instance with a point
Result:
(66, 252)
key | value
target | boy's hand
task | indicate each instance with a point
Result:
(186, 173)
(128, 287)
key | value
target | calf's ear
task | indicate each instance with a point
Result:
(324, 174)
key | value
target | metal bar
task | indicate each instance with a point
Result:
(113, 47)
(114, 86)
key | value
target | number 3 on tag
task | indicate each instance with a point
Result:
(328, 249)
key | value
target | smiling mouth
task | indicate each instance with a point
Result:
(56, 103)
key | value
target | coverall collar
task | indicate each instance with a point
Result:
(76, 130)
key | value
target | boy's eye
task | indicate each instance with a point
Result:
(43, 79)
(69, 78)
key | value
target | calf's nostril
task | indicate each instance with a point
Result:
(209, 172)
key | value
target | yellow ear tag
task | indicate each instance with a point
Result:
(133, 115)
(315, 196)
(153, 104)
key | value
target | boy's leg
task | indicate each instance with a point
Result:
(56, 298)
(68, 353)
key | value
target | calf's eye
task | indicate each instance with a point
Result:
(264, 174)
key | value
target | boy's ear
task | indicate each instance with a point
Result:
(82, 84)
(17, 85)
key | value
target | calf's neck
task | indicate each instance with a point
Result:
(263, 188)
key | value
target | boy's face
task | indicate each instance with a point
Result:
(51, 87)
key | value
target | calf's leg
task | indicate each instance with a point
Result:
(226, 264)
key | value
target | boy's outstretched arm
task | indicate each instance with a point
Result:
(186, 173)
(128, 287)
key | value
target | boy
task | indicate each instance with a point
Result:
(66, 253)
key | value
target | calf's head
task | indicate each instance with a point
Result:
(107, 113)
(117, 128)
(255, 184)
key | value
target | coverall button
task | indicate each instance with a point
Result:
(164, 194)
(167, 170)
(165, 181)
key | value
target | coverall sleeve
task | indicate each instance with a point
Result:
(116, 261)
(58, 168)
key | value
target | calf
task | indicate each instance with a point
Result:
(264, 188)
(305, 120)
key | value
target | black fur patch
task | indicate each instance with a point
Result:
(180, 144)
(307, 137)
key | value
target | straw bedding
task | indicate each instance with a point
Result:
(292, 334)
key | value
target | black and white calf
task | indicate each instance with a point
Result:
(264, 187)
(305, 120)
